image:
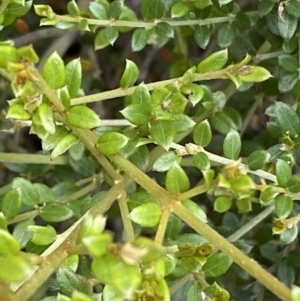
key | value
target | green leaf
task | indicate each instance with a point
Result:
(73, 9)
(264, 7)
(56, 212)
(11, 203)
(202, 133)
(286, 273)
(217, 265)
(222, 203)
(18, 112)
(293, 184)
(201, 161)
(68, 282)
(202, 35)
(137, 114)
(163, 132)
(14, 269)
(45, 193)
(226, 35)
(115, 9)
(287, 118)
(51, 141)
(283, 206)
(29, 195)
(153, 9)
(253, 74)
(111, 143)
(195, 209)
(287, 25)
(195, 92)
(54, 71)
(179, 9)
(164, 29)
(8, 244)
(141, 95)
(201, 4)
(215, 61)
(176, 179)
(111, 33)
(288, 62)
(101, 40)
(165, 162)
(296, 91)
(63, 145)
(97, 245)
(295, 293)
(42, 235)
(83, 117)
(139, 39)
(21, 232)
(242, 21)
(9, 54)
(293, 8)
(283, 172)
(222, 122)
(258, 159)
(73, 76)
(244, 205)
(28, 53)
(46, 117)
(111, 271)
(182, 123)
(130, 74)
(146, 215)
(194, 292)
(232, 145)
(98, 10)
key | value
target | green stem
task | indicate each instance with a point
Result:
(251, 224)
(24, 216)
(178, 284)
(161, 230)
(193, 192)
(120, 92)
(150, 24)
(266, 56)
(80, 193)
(33, 159)
(128, 229)
(248, 264)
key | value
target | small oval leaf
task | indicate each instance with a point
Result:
(111, 143)
(83, 117)
(130, 74)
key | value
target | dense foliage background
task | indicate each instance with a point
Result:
(149, 150)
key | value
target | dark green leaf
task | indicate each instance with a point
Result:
(141, 95)
(286, 117)
(182, 123)
(293, 8)
(222, 122)
(139, 39)
(217, 265)
(286, 273)
(232, 145)
(202, 36)
(287, 25)
(164, 29)
(287, 81)
(29, 195)
(56, 212)
(283, 206)
(101, 40)
(283, 172)
(258, 159)
(226, 35)
(111, 33)
(11, 203)
(288, 62)
(63, 145)
(242, 21)
(115, 9)
(293, 184)
(98, 10)
(153, 9)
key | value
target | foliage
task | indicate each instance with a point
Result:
(193, 170)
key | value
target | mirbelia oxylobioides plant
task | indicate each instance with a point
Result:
(158, 117)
